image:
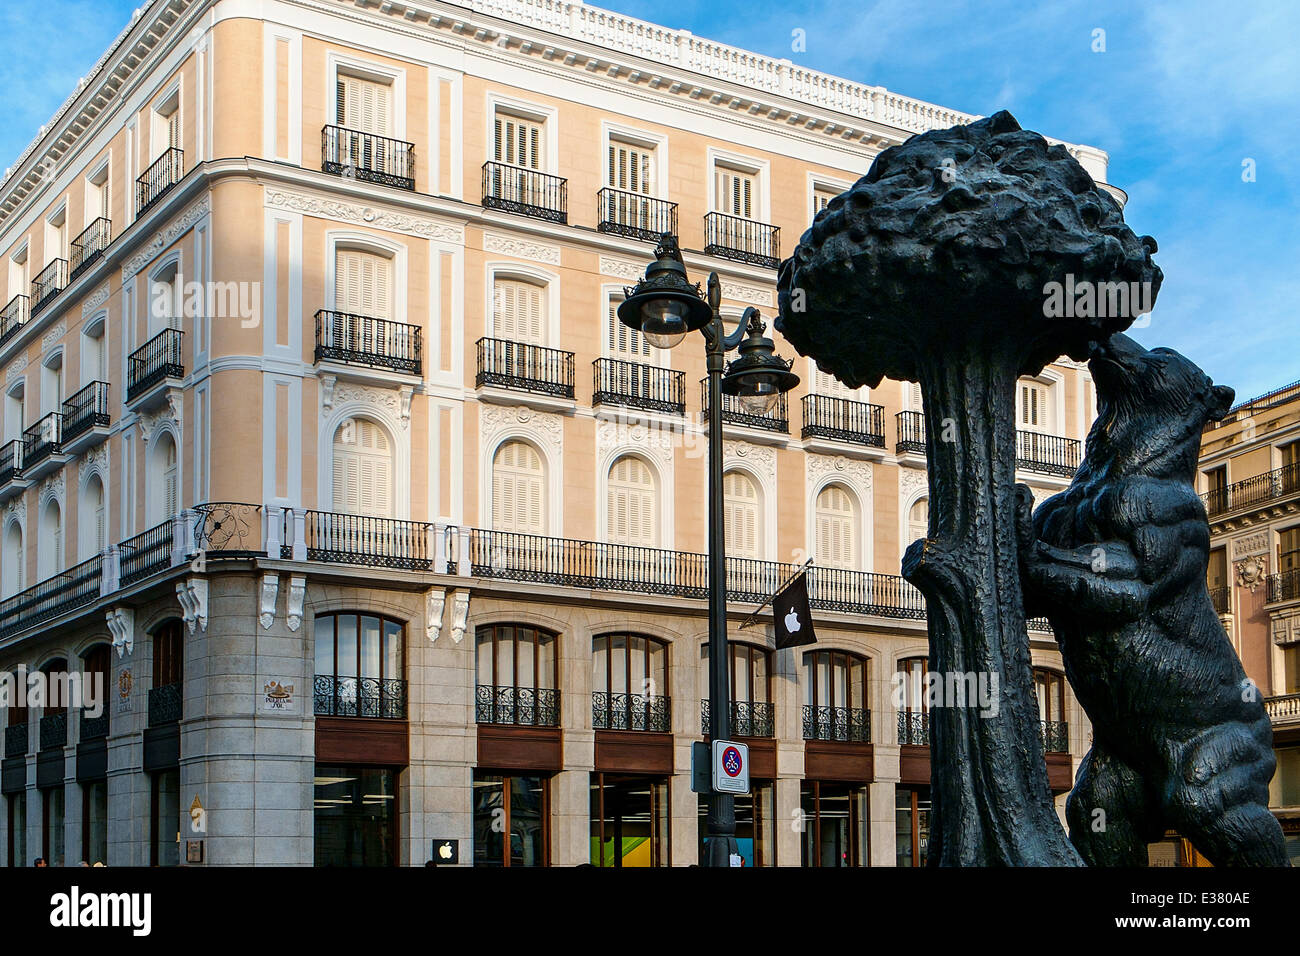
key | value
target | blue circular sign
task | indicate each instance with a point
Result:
(731, 762)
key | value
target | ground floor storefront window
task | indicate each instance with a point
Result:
(511, 820)
(629, 820)
(17, 819)
(912, 825)
(164, 818)
(836, 822)
(755, 825)
(52, 826)
(356, 816)
(94, 822)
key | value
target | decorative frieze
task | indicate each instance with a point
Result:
(521, 248)
(165, 237)
(1250, 544)
(94, 300)
(854, 471)
(365, 215)
(494, 420)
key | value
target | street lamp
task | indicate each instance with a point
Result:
(664, 307)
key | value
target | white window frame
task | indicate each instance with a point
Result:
(97, 184)
(365, 242)
(20, 268)
(632, 136)
(1054, 381)
(338, 63)
(817, 181)
(548, 116)
(663, 498)
(56, 221)
(660, 358)
(159, 116)
(550, 283)
(760, 169)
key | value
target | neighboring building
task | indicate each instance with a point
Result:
(325, 298)
(1250, 481)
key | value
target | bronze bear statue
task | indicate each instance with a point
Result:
(1117, 563)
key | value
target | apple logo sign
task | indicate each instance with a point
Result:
(444, 851)
(792, 621)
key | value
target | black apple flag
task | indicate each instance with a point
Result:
(792, 614)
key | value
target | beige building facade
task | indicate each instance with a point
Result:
(323, 450)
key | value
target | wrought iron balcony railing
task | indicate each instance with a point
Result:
(914, 728)
(360, 539)
(1047, 454)
(11, 461)
(1056, 736)
(165, 704)
(1284, 586)
(14, 317)
(228, 528)
(525, 192)
(520, 706)
(85, 410)
(147, 553)
(850, 724)
(54, 730)
(48, 283)
(66, 591)
(16, 739)
(1283, 707)
(368, 157)
(635, 385)
(89, 246)
(634, 215)
(911, 432)
(1247, 409)
(742, 240)
(94, 728)
(359, 697)
(159, 359)
(843, 419)
(364, 340)
(1252, 492)
(1220, 598)
(631, 712)
(529, 368)
(42, 440)
(777, 420)
(154, 183)
(749, 718)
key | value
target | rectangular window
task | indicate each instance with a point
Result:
(165, 818)
(363, 105)
(363, 284)
(755, 825)
(1288, 549)
(356, 816)
(165, 133)
(631, 167)
(52, 825)
(17, 819)
(629, 821)
(94, 822)
(511, 820)
(736, 191)
(822, 196)
(1034, 411)
(625, 343)
(97, 195)
(18, 273)
(912, 826)
(519, 312)
(836, 824)
(518, 141)
(56, 236)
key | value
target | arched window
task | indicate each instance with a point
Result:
(363, 469)
(742, 509)
(837, 528)
(15, 559)
(163, 499)
(631, 499)
(519, 311)
(49, 543)
(166, 695)
(517, 675)
(750, 675)
(92, 520)
(629, 681)
(518, 489)
(914, 701)
(918, 520)
(360, 666)
(835, 696)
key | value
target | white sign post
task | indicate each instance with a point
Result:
(730, 767)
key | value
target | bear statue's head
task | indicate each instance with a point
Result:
(1152, 405)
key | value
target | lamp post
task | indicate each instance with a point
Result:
(664, 307)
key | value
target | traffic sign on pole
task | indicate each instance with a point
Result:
(730, 767)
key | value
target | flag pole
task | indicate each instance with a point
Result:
(749, 621)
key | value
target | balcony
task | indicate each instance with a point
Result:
(850, 724)
(367, 342)
(145, 554)
(16, 739)
(1284, 586)
(1221, 598)
(1284, 709)
(94, 728)
(1056, 736)
(634, 215)
(14, 317)
(165, 704)
(89, 246)
(754, 718)
(155, 182)
(157, 365)
(85, 418)
(1047, 454)
(777, 420)
(367, 157)
(913, 729)
(12, 479)
(1261, 490)
(42, 447)
(334, 696)
(911, 433)
(635, 385)
(517, 706)
(54, 731)
(742, 240)
(631, 712)
(363, 540)
(76, 587)
(525, 192)
(48, 283)
(842, 419)
(526, 368)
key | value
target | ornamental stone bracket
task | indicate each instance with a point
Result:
(171, 410)
(121, 625)
(435, 602)
(295, 600)
(267, 595)
(396, 401)
(459, 615)
(193, 596)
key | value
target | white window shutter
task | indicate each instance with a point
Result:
(363, 470)
(363, 283)
(625, 343)
(740, 510)
(364, 105)
(171, 483)
(519, 312)
(631, 504)
(918, 520)
(518, 489)
(836, 528)
(519, 142)
(735, 192)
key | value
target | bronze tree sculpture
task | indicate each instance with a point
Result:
(934, 268)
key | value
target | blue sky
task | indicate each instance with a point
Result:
(1183, 94)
